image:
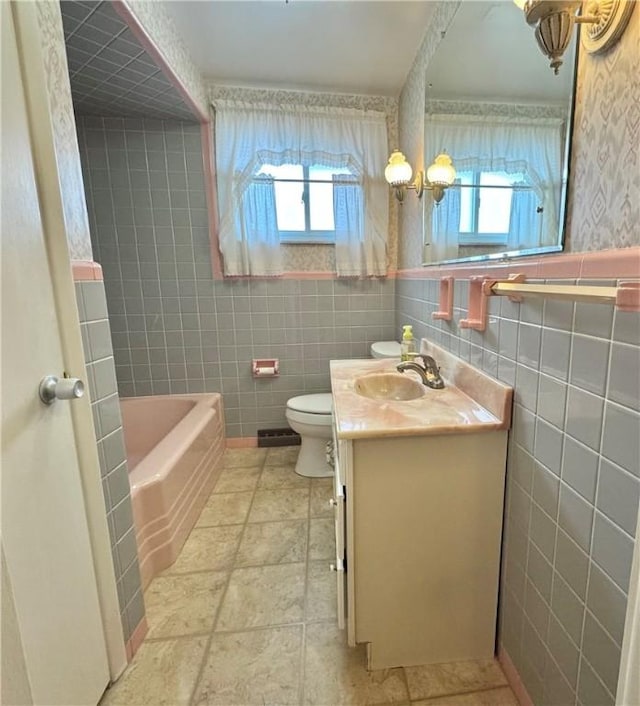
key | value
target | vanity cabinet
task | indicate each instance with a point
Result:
(418, 500)
(418, 535)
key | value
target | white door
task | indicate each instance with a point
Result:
(56, 630)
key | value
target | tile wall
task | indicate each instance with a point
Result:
(177, 330)
(573, 479)
(96, 339)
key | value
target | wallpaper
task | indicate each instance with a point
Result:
(604, 186)
(320, 258)
(511, 110)
(64, 129)
(604, 179)
(411, 132)
(159, 26)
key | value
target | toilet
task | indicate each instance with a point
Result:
(385, 349)
(310, 416)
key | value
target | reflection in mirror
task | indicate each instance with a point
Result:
(493, 105)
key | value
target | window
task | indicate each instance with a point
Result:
(304, 201)
(486, 206)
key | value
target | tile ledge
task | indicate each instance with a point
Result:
(600, 264)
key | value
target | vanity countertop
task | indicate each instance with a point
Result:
(470, 402)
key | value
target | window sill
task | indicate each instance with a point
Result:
(309, 241)
(480, 242)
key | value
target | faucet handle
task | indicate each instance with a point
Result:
(428, 362)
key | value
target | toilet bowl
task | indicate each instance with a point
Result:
(385, 349)
(310, 416)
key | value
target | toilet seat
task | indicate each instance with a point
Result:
(312, 404)
(316, 420)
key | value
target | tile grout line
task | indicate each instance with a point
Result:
(207, 650)
(303, 642)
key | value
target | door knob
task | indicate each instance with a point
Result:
(53, 388)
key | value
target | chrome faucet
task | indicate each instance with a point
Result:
(429, 371)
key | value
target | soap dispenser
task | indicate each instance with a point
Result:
(408, 345)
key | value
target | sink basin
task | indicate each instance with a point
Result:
(389, 386)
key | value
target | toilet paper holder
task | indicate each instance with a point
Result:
(265, 367)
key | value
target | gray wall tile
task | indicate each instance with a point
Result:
(601, 652)
(572, 563)
(584, 417)
(580, 468)
(564, 651)
(624, 376)
(620, 441)
(612, 550)
(618, 495)
(591, 690)
(575, 516)
(589, 363)
(567, 607)
(555, 356)
(606, 602)
(108, 426)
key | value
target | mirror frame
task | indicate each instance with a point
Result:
(508, 255)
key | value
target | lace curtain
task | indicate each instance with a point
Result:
(528, 146)
(251, 135)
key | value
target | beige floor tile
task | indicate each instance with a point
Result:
(183, 604)
(321, 601)
(322, 540)
(207, 549)
(273, 505)
(282, 455)
(252, 668)
(492, 697)
(236, 458)
(225, 509)
(235, 480)
(275, 477)
(161, 674)
(320, 496)
(336, 674)
(322, 482)
(267, 595)
(431, 680)
(273, 543)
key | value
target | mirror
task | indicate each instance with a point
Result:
(494, 105)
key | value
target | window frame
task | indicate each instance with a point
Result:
(473, 238)
(307, 236)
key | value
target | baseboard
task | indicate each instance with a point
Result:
(515, 682)
(241, 442)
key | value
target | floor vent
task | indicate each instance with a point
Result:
(278, 437)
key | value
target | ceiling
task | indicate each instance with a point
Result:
(111, 74)
(352, 46)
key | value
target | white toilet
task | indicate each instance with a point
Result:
(385, 349)
(310, 416)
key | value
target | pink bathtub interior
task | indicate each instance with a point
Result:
(174, 449)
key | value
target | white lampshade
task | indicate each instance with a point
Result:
(398, 171)
(441, 172)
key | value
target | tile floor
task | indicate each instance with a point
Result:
(246, 615)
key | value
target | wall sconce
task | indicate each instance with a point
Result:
(440, 175)
(554, 20)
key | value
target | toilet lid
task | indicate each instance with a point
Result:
(312, 404)
(386, 349)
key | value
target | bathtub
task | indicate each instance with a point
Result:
(174, 447)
